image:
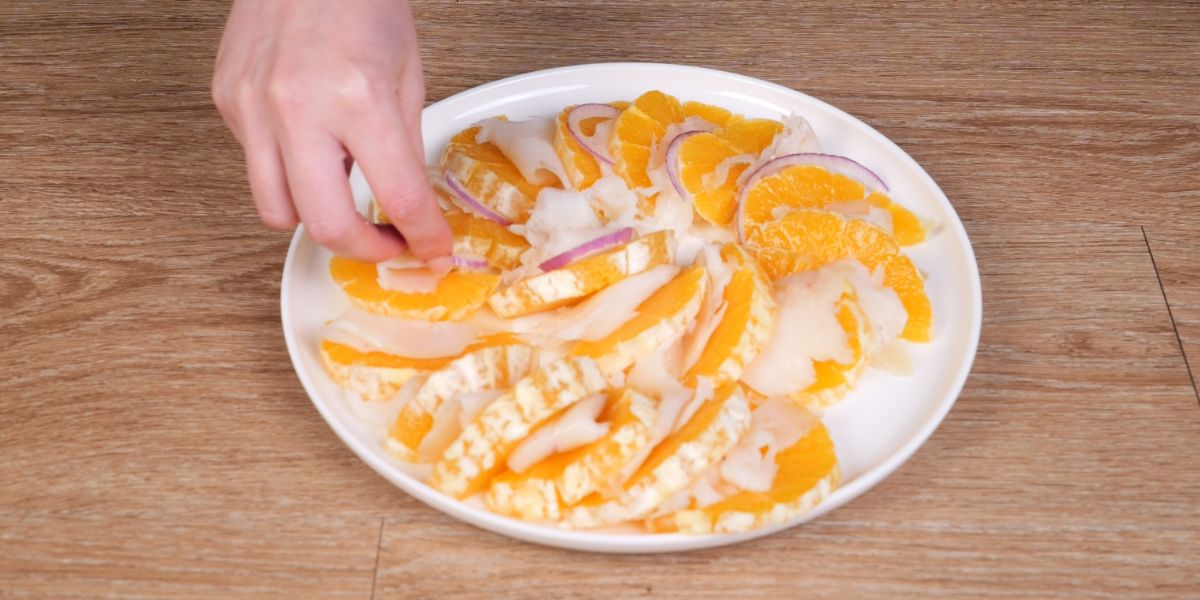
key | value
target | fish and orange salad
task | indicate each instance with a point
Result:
(653, 301)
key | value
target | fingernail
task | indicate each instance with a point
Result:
(440, 265)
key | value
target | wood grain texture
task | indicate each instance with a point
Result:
(156, 442)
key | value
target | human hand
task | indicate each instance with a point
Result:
(306, 85)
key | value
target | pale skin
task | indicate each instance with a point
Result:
(308, 85)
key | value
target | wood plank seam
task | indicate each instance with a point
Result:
(378, 551)
(1178, 338)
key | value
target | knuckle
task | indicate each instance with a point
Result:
(355, 89)
(285, 92)
(403, 205)
(328, 233)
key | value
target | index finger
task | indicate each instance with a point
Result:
(381, 146)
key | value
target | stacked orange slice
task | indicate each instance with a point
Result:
(484, 172)
(481, 450)
(544, 490)
(583, 277)
(702, 154)
(458, 293)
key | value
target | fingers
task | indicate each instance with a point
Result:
(322, 198)
(268, 181)
(383, 147)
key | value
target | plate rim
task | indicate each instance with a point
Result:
(655, 543)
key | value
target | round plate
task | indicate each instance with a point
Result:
(875, 429)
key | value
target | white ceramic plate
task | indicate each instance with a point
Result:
(875, 429)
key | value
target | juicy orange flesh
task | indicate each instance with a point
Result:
(668, 300)
(636, 129)
(798, 186)
(702, 154)
(457, 292)
(830, 373)
(821, 237)
(906, 227)
(581, 166)
(411, 427)
(727, 334)
(801, 467)
(345, 355)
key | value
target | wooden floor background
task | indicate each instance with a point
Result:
(154, 441)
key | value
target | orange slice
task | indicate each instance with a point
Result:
(583, 277)
(820, 237)
(701, 155)
(745, 326)
(701, 442)
(373, 375)
(664, 315)
(489, 176)
(482, 238)
(835, 379)
(480, 451)
(807, 472)
(581, 167)
(562, 480)
(636, 130)
(494, 362)
(457, 294)
(810, 186)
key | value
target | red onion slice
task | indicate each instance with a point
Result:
(469, 263)
(473, 203)
(830, 162)
(672, 163)
(583, 112)
(608, 240)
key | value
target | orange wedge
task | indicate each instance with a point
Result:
(476, 237)
(818, 237)
(562, 480)
(701, 155)
(662, 316)
(701, 442)
(489, 177)
(743, 329)
(583, 277)
(643, 124)
(457, 294)
(480, 451)
(810, 186)
(581, 167)
(807, 472)
(373, 375)
(495, 362)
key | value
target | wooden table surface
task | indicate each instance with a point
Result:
(154, 441)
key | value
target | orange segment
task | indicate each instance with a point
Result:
(820, 237)
(488, 175)
(581, 167)
(665, 314)
(745, 326)
(457, 294)
(636, 130)
(810, 186)
(834, 379)
(482, 238)
(713, 114)
(701, 156)
(480, 451)
(906, 227)
(582, 278)
(373, 375)
(701, 442)
(561, 481)
(494, 362)
(807, 472)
